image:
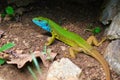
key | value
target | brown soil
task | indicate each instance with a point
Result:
(28, 37)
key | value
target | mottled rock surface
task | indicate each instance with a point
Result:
(113, 32)
(63, 70)
(112, 55)
(112, 7)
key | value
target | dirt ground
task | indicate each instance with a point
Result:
(29, 37)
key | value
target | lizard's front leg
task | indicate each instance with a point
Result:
(51, 40)
(94, 41)
(74, 50)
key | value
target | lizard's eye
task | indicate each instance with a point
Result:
(39, 20)
(47, 24)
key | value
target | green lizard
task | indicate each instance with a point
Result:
(76, 42)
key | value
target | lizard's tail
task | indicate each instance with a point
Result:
(94, 53)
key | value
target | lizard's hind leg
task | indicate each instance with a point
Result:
(92, 40)
(74, 50)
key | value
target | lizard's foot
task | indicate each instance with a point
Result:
(47, 43)
(67, 55)
(92, 40)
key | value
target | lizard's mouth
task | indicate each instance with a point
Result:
(34, 20)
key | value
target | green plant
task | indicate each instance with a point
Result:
(2, 61)
(3, 15)
(95, 30)
(3, 48)
(36, 63)
(37, 67)
(32, 72)
(47, 52)
(9, 10)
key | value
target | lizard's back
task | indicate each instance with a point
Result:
(68, 37)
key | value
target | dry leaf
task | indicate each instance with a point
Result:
(22, 59)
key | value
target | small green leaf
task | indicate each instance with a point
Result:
(32, 72)
(96, 30)
(9, 10)
(3, 15)
(6, 46)
(3, 48)
(36, 63)
(2, 61)
(45, 49)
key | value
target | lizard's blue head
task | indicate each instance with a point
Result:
(43, 23)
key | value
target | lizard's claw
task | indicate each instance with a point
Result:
(68, 56)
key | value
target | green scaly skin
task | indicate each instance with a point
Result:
(75, 41)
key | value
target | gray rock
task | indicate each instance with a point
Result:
(82, 1)
(63, 70)
(112, 55)
(112, 7)
(113, 32)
